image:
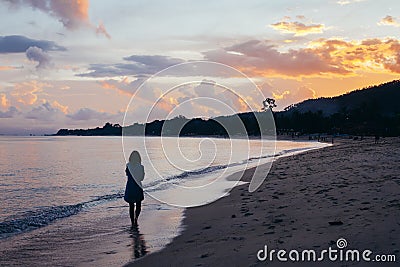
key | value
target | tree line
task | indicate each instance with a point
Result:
(370, 111)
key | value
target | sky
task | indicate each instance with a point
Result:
(81, 63)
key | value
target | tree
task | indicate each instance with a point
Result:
(268, 103)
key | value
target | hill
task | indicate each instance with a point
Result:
(381, 98)
(368, 111)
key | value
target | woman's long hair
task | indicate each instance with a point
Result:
(135, 158)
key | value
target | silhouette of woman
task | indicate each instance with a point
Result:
(133, 191)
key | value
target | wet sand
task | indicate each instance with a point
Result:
(350, 190)
(99, 236)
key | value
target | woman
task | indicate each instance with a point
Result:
(133, 191)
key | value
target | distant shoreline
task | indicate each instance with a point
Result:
(281, 137)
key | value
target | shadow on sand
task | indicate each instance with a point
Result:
(138, 243)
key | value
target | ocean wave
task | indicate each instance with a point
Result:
(36, 219)
(7, 174)
(32, 220)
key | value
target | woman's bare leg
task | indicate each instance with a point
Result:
(138, 209)
(132, 212)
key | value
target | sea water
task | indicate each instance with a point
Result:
(69, 191)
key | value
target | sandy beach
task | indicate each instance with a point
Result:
(309, 201)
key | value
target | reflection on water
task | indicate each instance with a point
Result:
(138, 243)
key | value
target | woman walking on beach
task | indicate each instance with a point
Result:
(133, 191)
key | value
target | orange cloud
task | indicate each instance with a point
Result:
(287, 92)
(367, 55)
(102, 30)
(278, 96)
(244, 105)
(63, 108)
(260, 58)
(323, 56)
(120, 86)
(124, 86)
(7, 68)
(3, 100)
(298, 28)
(164, 105)
(26, 92)
(107, 85)
(73, 14)
(389, 21)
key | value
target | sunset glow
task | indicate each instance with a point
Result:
(76, 64)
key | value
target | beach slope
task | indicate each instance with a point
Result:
(309, 201)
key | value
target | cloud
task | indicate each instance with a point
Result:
(97, 70)
(323, 56)
(287, 92)
(38, 55)
(56, 112)
(365, 55)
(10, 113)
(62, 108)
(102, 30)
(44, 112)
(143, 66)
(73, 14)
(123, 86)
(7, 68)
(112, 70)
(347, 2)
(280, 96)
(19, 44)
(294, 95)
(207, 88)
(262, 58)
(298, 28)
(208, 98)
(139, 65)
(156, 60)
(89, 114)
(389, 21)
(26, 93)
(3, 100)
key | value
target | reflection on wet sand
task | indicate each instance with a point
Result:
(138, 243)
